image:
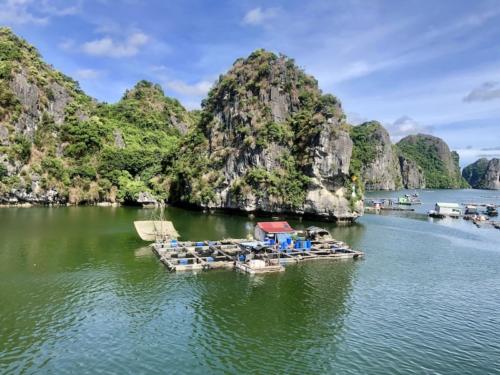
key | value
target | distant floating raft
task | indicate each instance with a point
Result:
(152, 230)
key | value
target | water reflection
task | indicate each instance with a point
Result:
(297, 311)
(144, 251)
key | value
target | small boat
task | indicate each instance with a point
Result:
(408, 200)
(317, 233)
(471, 210)
(442, 210)
(491, 210)
(435, 214)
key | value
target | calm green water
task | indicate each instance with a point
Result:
(79, 293)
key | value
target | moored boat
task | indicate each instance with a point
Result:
(491, 210)
(442, 209)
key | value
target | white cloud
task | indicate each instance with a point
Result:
(19, 12)
(88, 73)
(58, 8)
(354, 118)
(470, 155)
(487, 91)
(111, 48)
(258, 16)
(66, 44)
(404, 126)
(197, 89)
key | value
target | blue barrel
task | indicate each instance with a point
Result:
(308, 244)
(241, 258)
(199, 244)
(183, 261)
(272, 242)
(210, 259)
(173, 243)
(296, 245)
(289, 240)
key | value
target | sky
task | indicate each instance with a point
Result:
(422, 66)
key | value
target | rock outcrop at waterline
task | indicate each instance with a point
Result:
(273, 142)
(483, 174)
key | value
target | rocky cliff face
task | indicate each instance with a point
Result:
(412, 176)
(274, 143)
(146, 106)
(328, 170)
(58, 145)
(492, 175)
(440, 166)
(483, 174)
(474, 173)
(36, 101)
(374, 157)
(31, 94)
(266, 139)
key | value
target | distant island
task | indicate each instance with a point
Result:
(266, 139)
(483, 174)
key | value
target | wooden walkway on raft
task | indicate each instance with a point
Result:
(207, 255)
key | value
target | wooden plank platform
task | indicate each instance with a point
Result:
(206, 255)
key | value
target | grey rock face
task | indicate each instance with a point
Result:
(381, 173)
(29, 95)
(411, 174)
(492, 175)
(21, 195)
(483, 174)
(119, 142)
(4, 135)
(58, 101)
(181, 126)
(237, 116)
(327, 196)
(146, 198)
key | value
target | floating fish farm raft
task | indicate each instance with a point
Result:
(275, 245)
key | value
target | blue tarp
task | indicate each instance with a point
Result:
(284, 237)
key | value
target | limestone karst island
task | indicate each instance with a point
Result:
(249, 187)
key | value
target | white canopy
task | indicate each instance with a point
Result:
(153, 230)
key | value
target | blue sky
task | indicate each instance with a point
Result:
(416, 66)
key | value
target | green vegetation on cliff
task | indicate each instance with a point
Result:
(364, 149)
(265, 138)
(259, 118)
(439, 164)
(85, 150)
(483, 174)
